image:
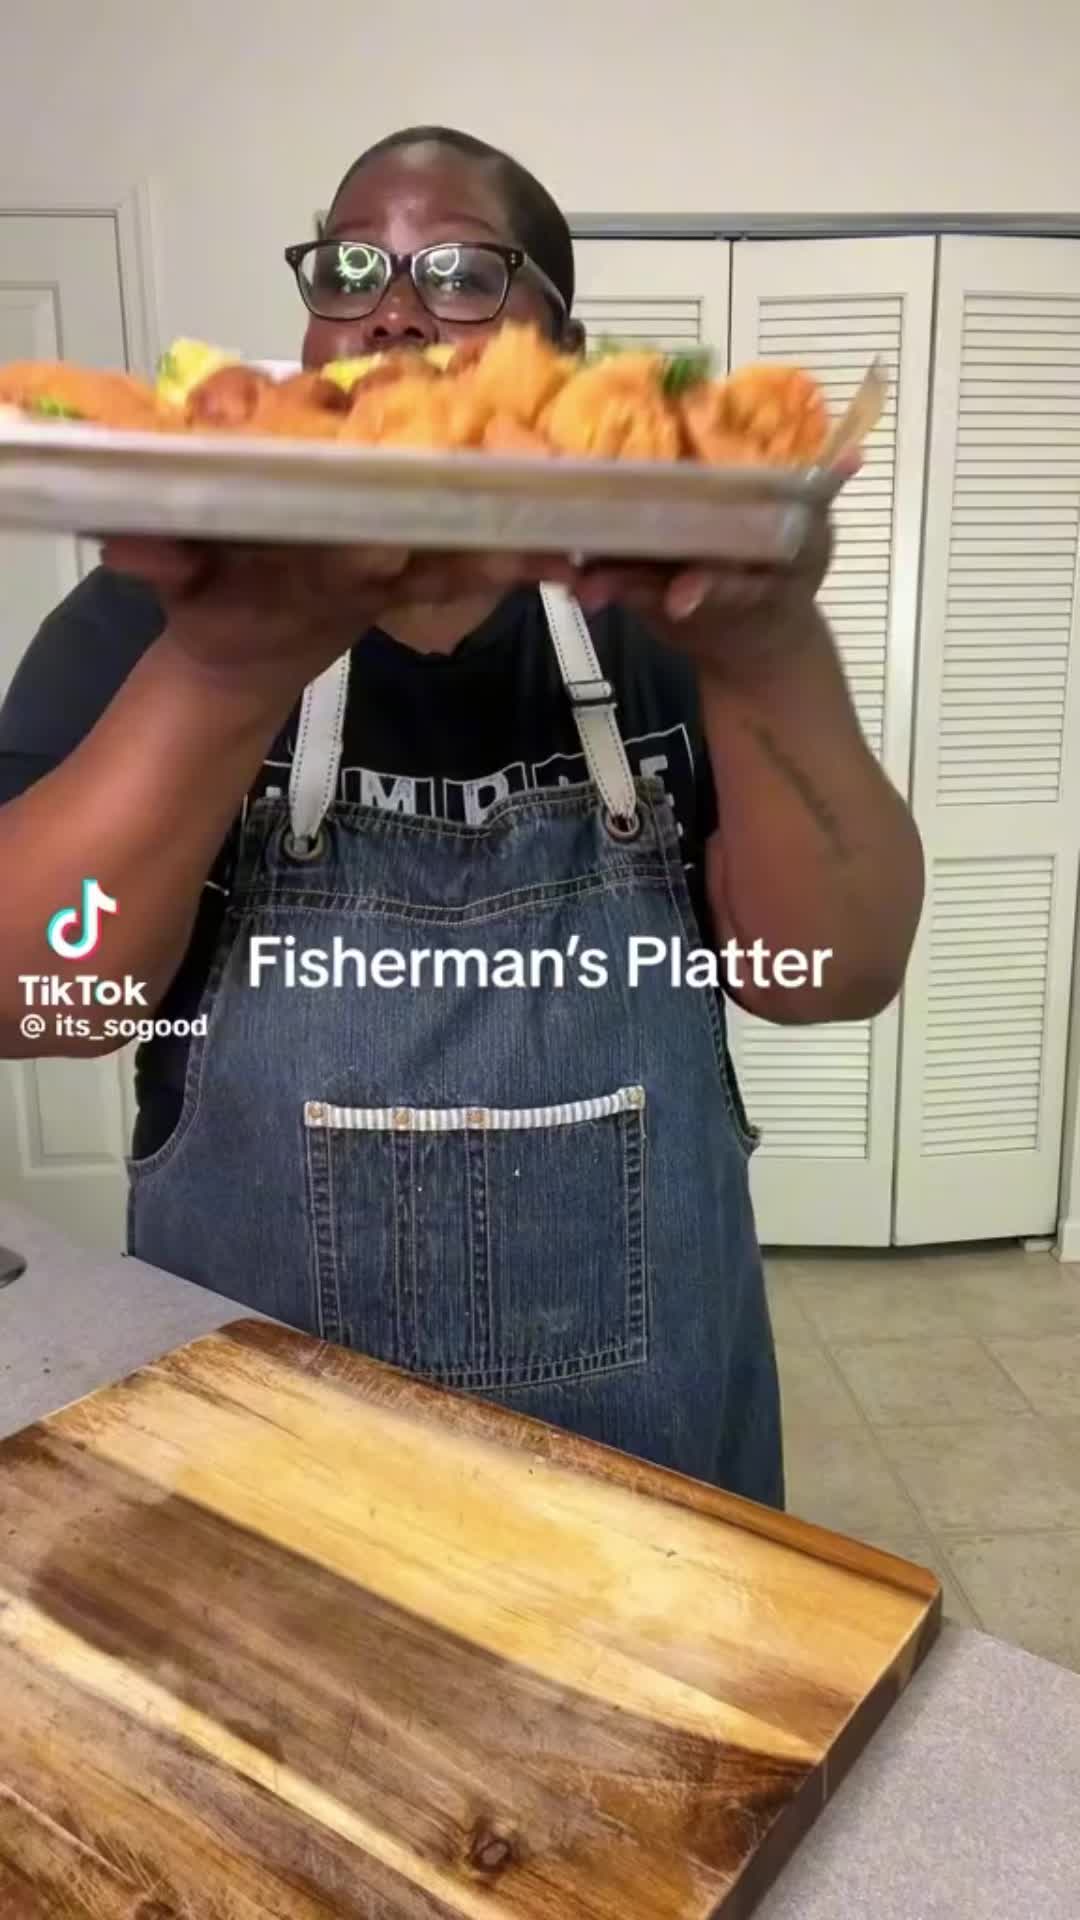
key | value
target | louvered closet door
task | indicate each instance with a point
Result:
(824, 1097)
(997, 759)
(666, 293)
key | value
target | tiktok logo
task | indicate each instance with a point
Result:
(74, 938)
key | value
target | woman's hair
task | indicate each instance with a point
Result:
(538, 224)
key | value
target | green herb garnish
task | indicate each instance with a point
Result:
(167, 368)
(681, 370)
(605, 348)
(51, 409)
(685, 370)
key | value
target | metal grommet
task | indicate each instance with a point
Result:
(621, 828)
(303, 851)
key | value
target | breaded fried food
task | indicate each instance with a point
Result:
(776, 413)
(56, 390)
(466, 354)
(782, 409)
(227, 398)
(246, 400)
(282, 419)
(513, 392)
(503, 434)
(409, 401)
(411, 409)
(735, 450)
(402, 363)
(296, 423)
(709, 434)
(468, 413)
(312, 390)
(615, 410)
(516, 372)
(303, 406)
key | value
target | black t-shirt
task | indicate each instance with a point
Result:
(429, 734)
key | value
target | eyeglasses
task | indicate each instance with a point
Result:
(465, 283)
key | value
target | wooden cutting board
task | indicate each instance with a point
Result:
(285, 1634)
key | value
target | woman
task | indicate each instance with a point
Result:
(539, 1195)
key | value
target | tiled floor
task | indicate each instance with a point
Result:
(932, 1407)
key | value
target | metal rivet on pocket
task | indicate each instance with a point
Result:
(314, 1110)
(620, 828)
(636, 1096)
(403, 1118)
(476, 1117)
(302, 851)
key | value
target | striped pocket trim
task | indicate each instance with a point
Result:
(317, 1113)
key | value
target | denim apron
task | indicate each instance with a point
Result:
(534, 1193)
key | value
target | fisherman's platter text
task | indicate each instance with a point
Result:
(276, 957)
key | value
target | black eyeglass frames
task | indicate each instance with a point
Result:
(463, 282)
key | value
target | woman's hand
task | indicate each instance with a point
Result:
(740, 623)
(243, 614)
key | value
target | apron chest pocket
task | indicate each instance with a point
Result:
(480, 1247)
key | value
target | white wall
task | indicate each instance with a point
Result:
(244, 113)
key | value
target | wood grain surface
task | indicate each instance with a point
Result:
(285, 1635)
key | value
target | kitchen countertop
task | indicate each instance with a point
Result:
(963, 1807)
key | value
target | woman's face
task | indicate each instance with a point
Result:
(409, 198)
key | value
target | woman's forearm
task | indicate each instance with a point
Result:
(143, 806)
(815, 847)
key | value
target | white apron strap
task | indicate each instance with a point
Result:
(317, 760)
(593, 701)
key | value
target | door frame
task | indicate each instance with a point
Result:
(817, 226)
(133, 216)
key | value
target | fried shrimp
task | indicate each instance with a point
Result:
(302, 407)
(410, 401)
(709, 434)
(782, 409)
(57, 390)
(227, 398)
(776, 414)
(517, 373)
(615, 410)
(403, 363)
(312, 390)
(504, 434)
(412, 409)
(296, 423)
(513, 392)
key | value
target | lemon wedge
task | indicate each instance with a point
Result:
(346, 373)
(186, 363)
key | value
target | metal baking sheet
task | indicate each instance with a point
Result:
(64, 478)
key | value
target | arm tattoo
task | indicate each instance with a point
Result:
(819, 810)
